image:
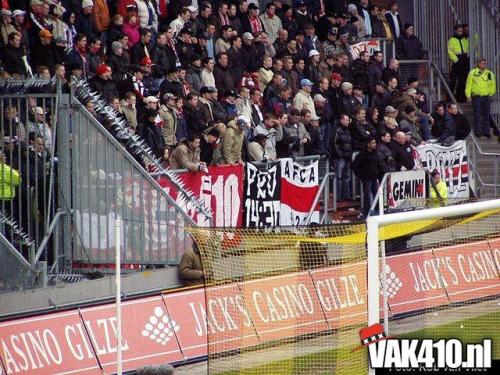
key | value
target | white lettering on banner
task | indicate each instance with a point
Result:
(219, 317)
(452, 164)
(285, 302)
(41, 348)
(406, 185)
(227, 198)
(300, 174)
(331, 298)
(368, 45)
(106, 326)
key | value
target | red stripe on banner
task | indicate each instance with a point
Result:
(298, 198)
(457, 169)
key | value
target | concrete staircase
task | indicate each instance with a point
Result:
(485, 158)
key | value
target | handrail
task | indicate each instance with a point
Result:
(110, 114)
(478, 146)
(134, 162)
(326, 179)
(380, 191)
(16, 253)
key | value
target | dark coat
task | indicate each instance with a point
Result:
(409, 48)
(252, 57)
(84, 24)
(137, 52)
(224, 80)
(365, 165)
(195, 123)
(388, 74)
(385, 158)
(389, 19)
(348, 104)
(159, 56)
(103, 87)
(153, 137)
(236, 64)
(402, 155)
(44, 55)
(12, 60)
(360, 76)
(342, 144)
(119, 66)
(360, 134)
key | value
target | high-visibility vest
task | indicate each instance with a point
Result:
(480, 83)
(457, 46)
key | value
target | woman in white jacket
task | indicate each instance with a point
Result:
(148, 17)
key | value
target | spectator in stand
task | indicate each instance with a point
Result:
(191, 269)
(441, 120)
(461, 123)
(224, 80)
(93, 56)
(232, 142)
(357, 21)
(347, 102)
(385, 156)
(303, 99)
(235, 60)
(394, 20)
(273, 131)
(361, 130)
(389, 123)
(297, 75)
(402, 152)
(103, 82)
(314, 146)
(256, 148)
(374, 70)
(180, 22)
(408, 124)
(9, 181)
(187, 155)
(280, 44)
(380, 99)
(44, 51)
(458, 53)
(131, 28)
(223, 43)
(142, 48)
(209, 144)
(77, 55)
(40, 127)
(391, 71)
(13, 57)
(169, 120)
(479, 89)
(118, 62)
(12, 125)
(408, 46)
(84, 20)
(128, 108)
(295, 136)
(380, 25)
(272, 90)
(6, 26)
(365, 167)
(271, 22)
(193, 72)
(342, 156)
(312, 69)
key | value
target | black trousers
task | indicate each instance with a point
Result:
(458, 77)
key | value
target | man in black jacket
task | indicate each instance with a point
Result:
(224, 80)
(12, 57)
(139, 49)
(365, 167)
(103, 83)
(152, 133)
(385, 156)
(401, 148)
(342, 155)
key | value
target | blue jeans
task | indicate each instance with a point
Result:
(425, 128)
(369, 192)
(482, 115)
(342, 169)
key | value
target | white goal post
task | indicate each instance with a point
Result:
(375, 222)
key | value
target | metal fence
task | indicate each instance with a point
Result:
(15, 272)
(485, 185)
(434, 21)
(108, 183)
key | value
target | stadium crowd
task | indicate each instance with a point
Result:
(222, 82)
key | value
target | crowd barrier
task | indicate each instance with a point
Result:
(173, 327)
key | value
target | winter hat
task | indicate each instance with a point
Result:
(44, 33)
(313, 52)
(102, 69)
(346, 86)
(412, 79)
(411, 91)
(407, 26)
(87, 3)
(351, 8)
(116, 45)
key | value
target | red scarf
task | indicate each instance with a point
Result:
(255, 24)
(224, 19)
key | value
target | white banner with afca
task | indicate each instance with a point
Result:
(406, 188)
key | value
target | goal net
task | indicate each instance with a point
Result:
(443, 283)
(292, 300)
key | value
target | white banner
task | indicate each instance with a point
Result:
(451, 162)
(406, 186)
(368, 45)
(299, 186)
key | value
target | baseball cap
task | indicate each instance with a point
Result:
(337, 77)
(6, 12)
(18, 12)
(39, 111)
(315, 118)
(253, 6)
(36, 2)
(44, 33)
(232, 93)
(151, 99)
(305, 82)
(313, 52)
(319, 98)
(390, 109)
(169, 96)
(192, 8)
(351, 8)
(411, 91)
(248, 36)
(208, 90)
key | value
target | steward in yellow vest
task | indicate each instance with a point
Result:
(458, 53)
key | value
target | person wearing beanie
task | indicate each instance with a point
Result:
(84, 20)
(44, 52)
(118, 62)
(169, 119)
(208, 144)
(408, 46)
(347, 102)
(103, 83)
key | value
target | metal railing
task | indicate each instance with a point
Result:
(15, 271)
(489, 160)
